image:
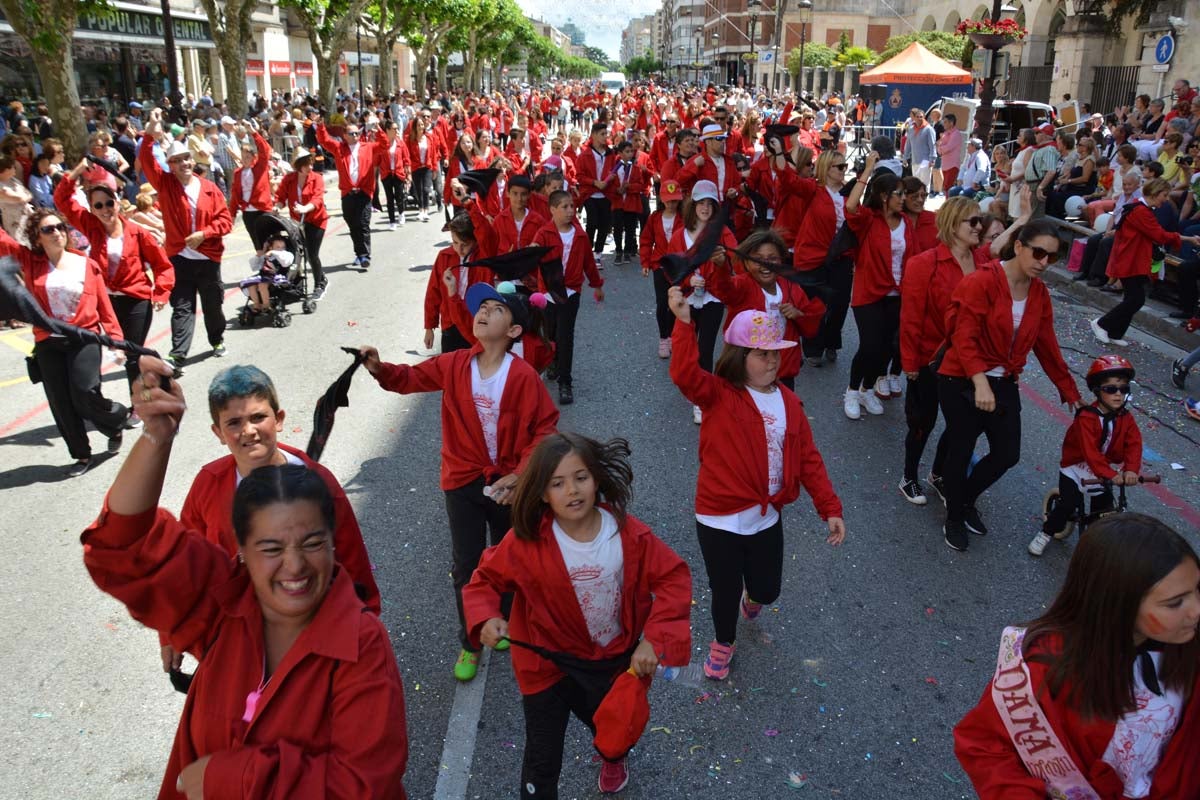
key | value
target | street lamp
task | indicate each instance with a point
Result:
(680, 62)
(696, 60)
(803, 5)
(358, 35)
(985, 114)
(716, 40)
(752, 5)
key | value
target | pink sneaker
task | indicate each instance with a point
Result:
(664, 348)
(750, 609)
(716, 666)
(613, 776)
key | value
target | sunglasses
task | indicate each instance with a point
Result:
(1049, 256)
(47, 230)
(352, 133)
(841, 166)
(104, 204)
(1114, 389)
(975, 222)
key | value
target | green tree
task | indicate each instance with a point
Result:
(229, 22)
(950, 46)
(329, 25)
(643, 65)
(815, 55)
(596, 55)
(843, 42)
(856, 56)
(426, 23)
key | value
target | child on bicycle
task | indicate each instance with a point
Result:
(1103, 442)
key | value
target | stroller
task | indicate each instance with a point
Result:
(283, 292)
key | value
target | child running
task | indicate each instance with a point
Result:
(1103, 442)
(622, 602)
(746, 477)
(495, 410)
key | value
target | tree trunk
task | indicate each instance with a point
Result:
(385, 44)
(327, 67)
(422, 76)
(233, 65)
(441, 74)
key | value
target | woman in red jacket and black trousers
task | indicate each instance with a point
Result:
(250, 187)
(997, 315)
(830, 274)
(1137, 232)
(303, 192)
(394, 169)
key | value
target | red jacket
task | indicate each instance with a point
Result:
(690, 173)
(433, 151)
(581, 261)
(505, 226)
(585, 172)
(743, 293)
(654, 243)
(208, 510)
(260, 182)
(437, 310)
(1082, 443)
(527, 414)
(313, 192)
(733, 443)
(330, 723)
(925, 230)
(873, 278)
(367, 160)
(1137, 233)
(670, 169)
(656, 597)
(95, 312)
(708, 268)
(988, 756)
(662, 150)
(403, 164)
(930, 279)
(635, 183)
(212, 215)
(980, 332)
(138, 249)
(817, 224)
(775, 185)
(525, 163)
(810, 138)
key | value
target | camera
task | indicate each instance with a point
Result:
(1185, 160)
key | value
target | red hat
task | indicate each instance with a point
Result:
(671, 190)
(1046, 129)
(1108, 366)
(622, 716)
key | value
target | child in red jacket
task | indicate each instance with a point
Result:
(756, 449)
(589, 582)
(629, 178)
(495, 409)
(1103, 434)
(655, 241)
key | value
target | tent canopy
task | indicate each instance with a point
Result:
(916, 64)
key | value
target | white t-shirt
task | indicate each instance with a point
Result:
(115, 245)
(64, 286)
(599, 159)
(668, 224)
(839, 205)
(288, 457)
(699, 297)
(898, 246)
(1018, 314)
(487, 393)
(353, 166)
(247, 184)
(568, 241)
(423, 148)
(597, 573)
(1141, 736)
(192, 193)
(772, 302)
(719, 163)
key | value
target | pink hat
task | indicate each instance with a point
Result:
(757, 330)
(552, 162)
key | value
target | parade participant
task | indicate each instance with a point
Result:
(1102, 442)
(714, 164)
(629, 180)
(461, 160)
(465, 245)
(356, 161)
(594, 168)
(824, 213)
(997, 315)
(1096, 697)
(654, 243)
(759, 289)
(622, 603)
(423, 153)
(745, 478)
(197, 220)
(509, 412)
(930, 278)
(687, 142)
(251, 192)
(297, 692)
(517, 224)
(123, 250)
(885, 242)
(395, 170)
(523, 160)
(303, 192)
(568, 244)
(664, 147)
(1137, 232)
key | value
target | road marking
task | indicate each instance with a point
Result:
(455, 771)
(22, 344)
(13, 381)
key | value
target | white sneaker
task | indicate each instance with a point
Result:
(896, 384)
(1038, 545)
(851, 404)
(697, 415)
(883, 389)
(1100, 334)
(423, 217)
(871, 402)
(391, 226)
(402, 220)
(1119, 342)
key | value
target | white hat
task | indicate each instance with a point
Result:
(177, 148)
(705, 190)
(713, 132)
(298, 154)
(228, 120)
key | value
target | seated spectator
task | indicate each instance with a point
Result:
(148, 214)
(976, 169)
(1125, 157)
(1099, 245)
(41, 185)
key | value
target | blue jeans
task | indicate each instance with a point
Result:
(961, 190)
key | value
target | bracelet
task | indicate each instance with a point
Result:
(154, 440)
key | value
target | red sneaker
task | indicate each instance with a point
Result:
(716, 666)
(750, 609)
(613, 776)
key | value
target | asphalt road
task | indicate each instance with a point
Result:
(850, 684)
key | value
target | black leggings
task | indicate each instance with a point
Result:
(1070, 500)
(735, 561)
(921, 411)
(135, 316)
(71, 380)
(964, 424)
(707, 319)
(625, 231)
(423, 184)
(313, 236)
(250, 218)
(878, 326)
(474, 520)
(546, 716)
(561, 323)
(662, 311)
(1116, 321)
(393, 187)
(599, 221)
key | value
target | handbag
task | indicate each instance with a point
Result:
(1075, 262)
(33, 369)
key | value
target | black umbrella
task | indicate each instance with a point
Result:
(775, 137)
(512, 266)
(478, 181)
(677, 266)
(335, 397)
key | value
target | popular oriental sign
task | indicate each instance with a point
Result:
(134, 26)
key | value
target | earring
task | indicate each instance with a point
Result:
(241, 559)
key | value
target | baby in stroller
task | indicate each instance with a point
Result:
(269, 268)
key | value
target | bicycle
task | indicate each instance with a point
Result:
(1080, 517)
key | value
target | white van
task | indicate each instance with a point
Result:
(1011, 115)
(613, 82)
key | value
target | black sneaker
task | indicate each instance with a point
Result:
(79, 467)
(319, 292)
(911, 489)
(938, 484)
(830, 355)
(956, 535)
(973, 521)
(366, 263)
(1179, 374)
(114, 442)
(176, 364)
(552, 372)
(565, 396)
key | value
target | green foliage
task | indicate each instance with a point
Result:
(815, 55)
(644, 65)
(596, 55)
(950, 46)
(856, 56)
(843, 42)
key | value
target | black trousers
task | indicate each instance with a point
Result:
(1095, 255)
(1070, 499)
(71, 380)
(733, 562)
(474, 522)
(599, 221)
(135, 316)
(1116, 321)
(625, 231)
(546, 716)
(423, 184)
(662, 311)
(250, 218)
(313, 236)
(836, 295)
(192, 277)
(1189, 291)
(964, 424)
(561, 318)
(707, 319)
(356, 210)
(452, 339)
(878, 325)
(921, 411)
(393, 188)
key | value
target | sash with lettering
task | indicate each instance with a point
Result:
(1036, 742)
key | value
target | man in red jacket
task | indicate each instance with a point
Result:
(355, 160)
(196, 220)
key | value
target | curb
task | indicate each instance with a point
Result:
(1149, 319)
